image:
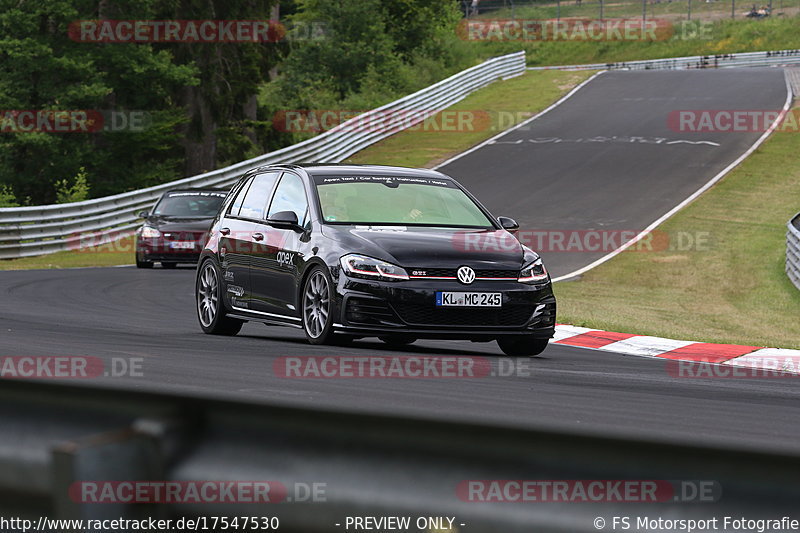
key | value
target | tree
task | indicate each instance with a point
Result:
(41, 68)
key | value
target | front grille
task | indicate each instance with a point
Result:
(451, 273)
(431, 315)
(371, 311)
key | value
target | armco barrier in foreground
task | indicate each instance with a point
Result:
(57, 440)
(36, 230)
(746, 59)
(793, 250)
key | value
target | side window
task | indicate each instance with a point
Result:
(236, 205)
(255, 201)
(290, 196)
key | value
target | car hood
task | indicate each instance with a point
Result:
(180, 225)
(433, 247)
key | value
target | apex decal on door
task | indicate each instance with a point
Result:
(285, 258)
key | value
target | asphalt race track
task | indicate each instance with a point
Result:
(130, 313)
(149, 314)
(607, 158)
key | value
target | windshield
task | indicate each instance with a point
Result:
(397, 201)
(190, 204)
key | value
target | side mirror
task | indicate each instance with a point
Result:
(508, 223)
(143, 214)
(284, 219)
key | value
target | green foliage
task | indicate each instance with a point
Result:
(42, 68)
(7, 198)
(372, 52)
(188, 91)
(77, 192)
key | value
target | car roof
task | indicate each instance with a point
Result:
(197, 190)
(335, 169)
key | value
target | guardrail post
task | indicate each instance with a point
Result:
(793, 250)
(9, 242)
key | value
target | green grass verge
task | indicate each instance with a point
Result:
(633, 9)
(735, 291)
(112, 254)
(721, 37)
(492, 110)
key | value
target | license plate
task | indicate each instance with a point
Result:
(183, 245)
(469, 299)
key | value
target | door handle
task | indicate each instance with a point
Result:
(225, 231)
(258, 236)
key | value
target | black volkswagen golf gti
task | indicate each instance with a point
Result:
(345, 252)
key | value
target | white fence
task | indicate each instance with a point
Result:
(36, 230)
(748, 59)
(793, 250)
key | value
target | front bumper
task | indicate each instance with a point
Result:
(374, 307)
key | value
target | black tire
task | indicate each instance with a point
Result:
(168, 264)
(318, 312)
(142, 262)
(522, 346)
(398, 340)
(210, 309)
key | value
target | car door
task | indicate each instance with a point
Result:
(276, 261)
(240, 233)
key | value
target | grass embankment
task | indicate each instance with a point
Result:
(111, 254)
(632, 9)
(735, 291)
(721, 37)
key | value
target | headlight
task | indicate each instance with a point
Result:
(533, 272)
(361, 266)
(150, 233)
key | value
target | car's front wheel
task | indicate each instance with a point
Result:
(142, 262)
(522, 346)
(318, 307)
(210, 309)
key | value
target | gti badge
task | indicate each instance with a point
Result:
(466, 275)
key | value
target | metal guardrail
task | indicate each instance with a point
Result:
(37, 230)
(793, 250)
(55, 436)
(747, 59)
